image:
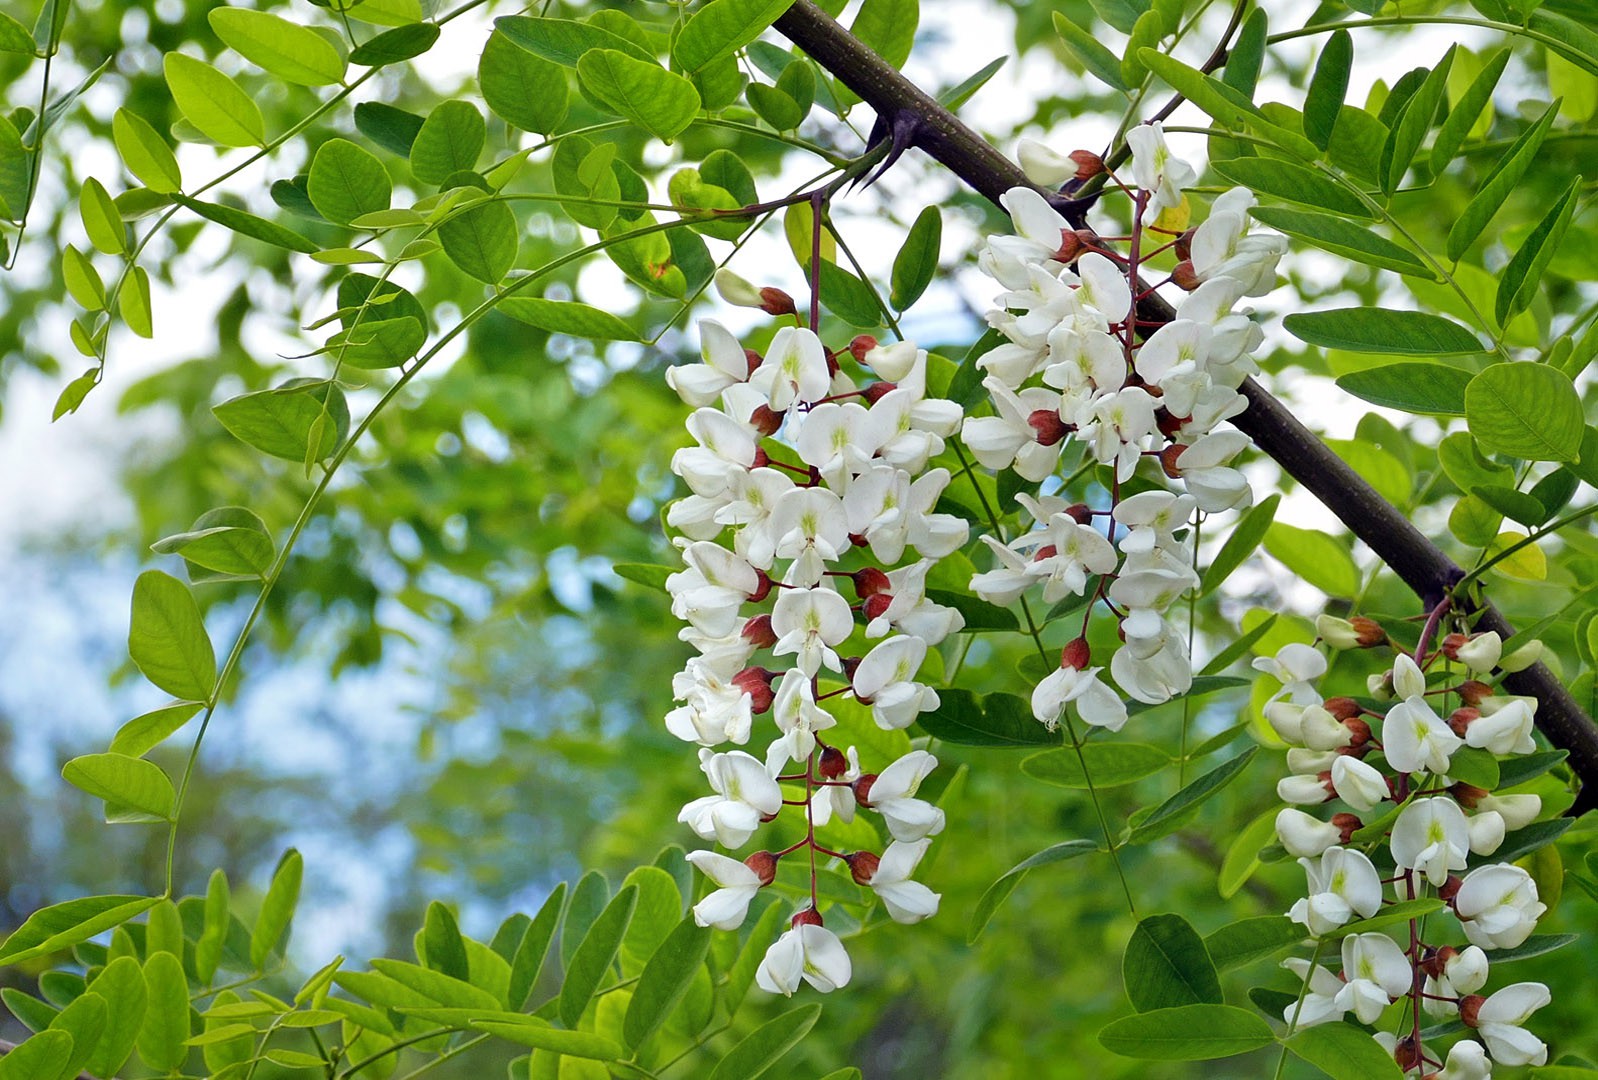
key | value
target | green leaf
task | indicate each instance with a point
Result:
(1166, 965)
(722, 27)
(449, 991)
(101, 219)
(655, 915)
(16, 170)
(1526, 840)
(121, 985)
(44, 1056)
(482, 241)
(145, 153)
(1414, 387)
(569, 317)
(1247, 55)
(521, 87)
(82, 279)
(1470, 765)
(1327, 88)
(641, 91)
(134, 790)
(247, 224)
(1318, 557)
(773, 106)
(277, 909)
(1412, 124)
(134, 302)
(1109, 765)
(61, 926)
(145, 732)
(979, 615)
(761, 1048)
(888, 28)
(1240, 647)
(595, 955)
(1237, 944)
(84, 1018)
(214, 930)
(1467, 111)
(1511, 503)
(392, 129)
(280, 422)
(997, 893)
(346, 180)
(1243, 854)
(1146, 34)
(564, 41)
(1293, 183)
(1382, 330)
(1000, 720)
(14, 37)
(167, 638)
(531, 1031)
(387, 12)
(1535, 945)
(1512, 772)
(1187, 1033)
(1519, 282)
(1505, 177)
(1091, 52)
(229, 549)
(216, 105)
(958, 94)
(451, 140)
(917, 260)
(1343, 238)
(1245, 537)
(1344, 1052)
(1528, 411)
(847, 297)
(534, 945)
(443, 948)
(1154, 826)
(1392, 915)
(166, 1015)
(665, 980)
(396, 45)
(292, 52)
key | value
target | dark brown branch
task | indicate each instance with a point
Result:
(1414, 558)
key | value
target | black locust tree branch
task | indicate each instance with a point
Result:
(913, 118)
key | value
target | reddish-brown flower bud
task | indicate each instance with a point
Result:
(1070, 247)
(833, 764)
(807, 917)
(1471, 692)
(753, 359)
(1461, 718)
(1450, 889)
(858, 539)
(869, 582)
(1451, 645)
(759, 633)
(876, 605)
(1470, 1009)
(1076, 654)
(1169, 458)
(1184, 245)
(1369, 631)
(1348, 823)
(1168, 424)
(1342, 708)
(850, 663)
(765, 422)
(1047, 551)
(1184, 277)
(761, 459)
(862, 344)
(762, 587)
(1467, 795)
(877, 391)
(862, 788)
(1434, 961)
(1407, 1053)
(756, 682)
(1361, 731)
(1088, 164)
(776, 302)
(764, 864)
(1049, 427)
(1079, 513)
(862, 866)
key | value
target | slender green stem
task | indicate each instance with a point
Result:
(1498, 557)
(429, 1066)
(1575, 56)
(1298, 1007)
(395, 1047)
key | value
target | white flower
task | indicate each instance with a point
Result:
(1010, 437)
(752, 498)
(1506, 731)
(807, 952)
(1305, 835)
(1376, 971)
(833, 438)
(1321, 730)
(1319, 1003)
(715, 710)
(1342, 884)
(1466, 1061)
(808, 623)
(1415, 739)
(894, 360)
(1223, 247)
(1205, 470)
(1296, 667)
(1522, 658)
(1155, 170)
(909, 610)
(1408, 679)
(1104, 286)
(1077, 551)
(1302, 790)
(1081, 359)
(1486, 832)
(1043, 166)
(725, 364)
(1481, 652)
(809, 526)
(892, 794)
(794, 369)
(1338, 633)
(726, 450)
(1096, 703)
(907, 901)
(725, 908)
(885, 679)
(1499, 1023)
(745, 793)
(1153, 665)
(1358, 784)
(1115, 426)
(710, 590)
(1153, 518)
(1498, 906)
(1432, 836)
(798, 717)
(1518, 811)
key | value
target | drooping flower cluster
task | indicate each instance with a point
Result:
(818, 484)
(1075, 367)
(1402, 809)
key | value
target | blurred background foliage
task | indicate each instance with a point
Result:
(499, 727)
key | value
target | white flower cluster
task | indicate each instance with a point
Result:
(822, 483)
(1441, 824)
(1073, 367)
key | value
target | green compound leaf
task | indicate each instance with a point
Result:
(722, 27)
(346, 181)
(216, 105)
(1187, 1033)
(1528, 411)
(1167, 965)
(1381, 330)
(292, 52)
(1414, 387)
(641, 91)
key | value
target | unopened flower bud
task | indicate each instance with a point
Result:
(756, 682)
(851, 664)
(1338, 633)
(1380, 686)
(1047, 551)
(877, 391)
(862, 788)
(1407, 1053)
(1088, 164)
(870, 581)
(1076, 654)
(1184, 277)
(758, 632)
(1344, 708)
(764, 864)
(1043, 166)
(737, 291)
(1434, 961)
(1080, 513)
(862, 866)
(1347, 825)
(1479, 653)
(1450, 888)
(876, 605)
(1360, 732)
(1470, 1009)
(1183, 245)
(776, 302)
(861, 345)
(1466, 795)
(833, 764)
(1049, 427)
(1168, 424)
(1472, 692)
(766, 422)
(761, 460)
(1169, 458)
(1070, 247)
(753, 359)
(1461, 718)
(762, 587)
(1371, 633)
(806, 917)
(892, 362)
